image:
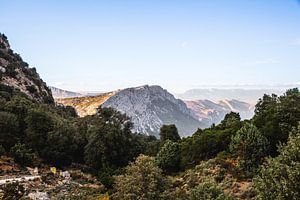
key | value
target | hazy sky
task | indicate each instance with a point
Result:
(178, 44)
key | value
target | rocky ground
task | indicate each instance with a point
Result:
(45, 183)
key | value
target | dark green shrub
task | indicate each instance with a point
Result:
(9, 130)
(249, 146)
(105, 176)
(168, 158)
(279, 178)
(22, 155)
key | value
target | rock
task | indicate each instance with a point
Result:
(39, 196)
(33, 171)
(65, 174)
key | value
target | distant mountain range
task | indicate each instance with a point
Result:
(152, 106)
(217, 94)
(211, 112)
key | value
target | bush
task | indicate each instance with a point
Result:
(168, 157)
(105, 176)
(249, 146)
(22, 155)
(208, 191)
(279, 177)
(9, 130)
(143, 180)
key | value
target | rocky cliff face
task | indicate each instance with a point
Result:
(150, 107)
(213, 112)
(16, 73)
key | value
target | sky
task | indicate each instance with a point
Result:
(105, 45)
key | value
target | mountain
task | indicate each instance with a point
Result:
(86, 105)
(213, 112)
(151, 106)
(148, 106)
(59, 93)
(216, 94)
(16, 74)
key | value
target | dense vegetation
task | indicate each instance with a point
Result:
(34, 133)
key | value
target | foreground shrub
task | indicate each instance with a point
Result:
(143, 180)
(280, 177)
(249, 146)
(22, 155)
(168, 157)
(208, 191)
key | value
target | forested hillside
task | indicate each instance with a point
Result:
(250, 159)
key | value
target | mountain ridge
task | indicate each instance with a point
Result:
(16, 73)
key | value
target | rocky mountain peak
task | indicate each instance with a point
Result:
(152, 106)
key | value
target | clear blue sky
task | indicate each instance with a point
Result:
(178, 44)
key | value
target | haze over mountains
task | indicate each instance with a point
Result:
(250, 95)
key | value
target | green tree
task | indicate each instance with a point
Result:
(230, 120)
(109, 140)
(201, 145)
(39, 124)
(19, 106)
(279, 178)
(61, 147)
(168, 158)
(249, 146)
(9, 130)
(143, 180)
(169, 132)
(276, 116)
